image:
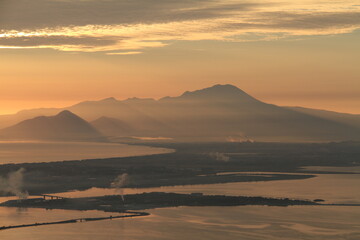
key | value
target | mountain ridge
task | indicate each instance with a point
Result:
(218, 112)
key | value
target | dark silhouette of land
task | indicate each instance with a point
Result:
(192, 163)
(126, 204)
(143, 201)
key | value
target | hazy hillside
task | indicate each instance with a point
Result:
(217, 113)
(63, 126)
(113, 127)
(346, 118)
(224, 112)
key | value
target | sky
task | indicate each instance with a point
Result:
(54, 53)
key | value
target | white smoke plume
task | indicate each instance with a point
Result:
(240, 137)
(119, 182)
(219, 156)
(13, 184)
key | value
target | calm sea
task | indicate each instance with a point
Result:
(243, 222)
(20, 152)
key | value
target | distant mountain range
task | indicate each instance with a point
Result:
(217, 113)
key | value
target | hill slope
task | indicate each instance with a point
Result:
(113, 127)
(63, 126)
(345, 118)
(217, 113)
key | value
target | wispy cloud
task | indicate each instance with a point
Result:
(117, 26)
(123, 53)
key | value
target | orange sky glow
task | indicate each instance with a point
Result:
(302, 53)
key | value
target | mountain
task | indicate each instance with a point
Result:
(216, 93)
(345, 118)
(217, 113)
(226, 111)
(63, 126)
(113, 127)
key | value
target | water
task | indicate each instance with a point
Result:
(228, 223)
(334, 188)
(247, 222)
(20, 152)
(333, 169)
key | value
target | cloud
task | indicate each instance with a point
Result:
(315, 23)
(25, 14)
(123, 53)
(31, 41)
(112, 26)
(318, 20)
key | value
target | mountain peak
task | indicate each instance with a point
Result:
(219, 91)
(109, 99)
(136, 99)
(66, 113)
(225, 87)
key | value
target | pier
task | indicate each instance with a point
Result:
(77, 220)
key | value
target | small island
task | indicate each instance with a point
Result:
(128, 206)
(118, 203)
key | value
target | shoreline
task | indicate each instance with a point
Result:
(189, 164)
(18, 152)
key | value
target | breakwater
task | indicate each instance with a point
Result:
(78, 220)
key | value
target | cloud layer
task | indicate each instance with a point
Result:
(129, 26)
